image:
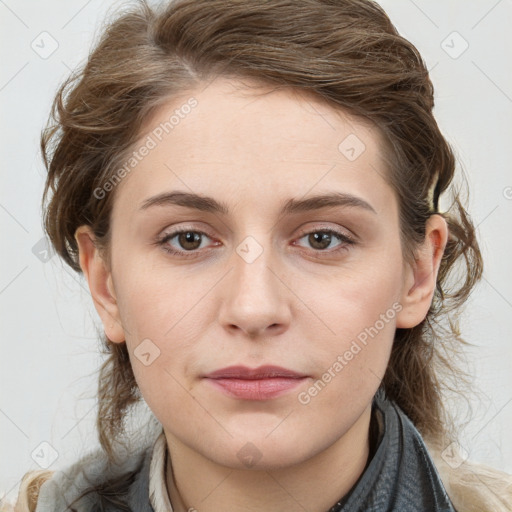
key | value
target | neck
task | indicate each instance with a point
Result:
(196, 483)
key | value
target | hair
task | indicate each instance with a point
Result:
(346, 53)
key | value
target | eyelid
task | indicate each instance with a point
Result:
(346, 240)
(168, 235)
(175, 231)
(348, 235)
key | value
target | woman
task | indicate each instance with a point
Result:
(252, 190)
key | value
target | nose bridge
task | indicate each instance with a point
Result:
(253, 266)
(255, 298)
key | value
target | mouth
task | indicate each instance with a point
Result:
(261, 383)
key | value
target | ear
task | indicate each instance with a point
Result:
(100, 282)
(420, 279)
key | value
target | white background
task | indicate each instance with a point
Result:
(49, 350)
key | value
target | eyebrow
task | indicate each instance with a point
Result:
(209, 204)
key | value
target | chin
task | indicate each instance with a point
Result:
(249, 457)
(261, 451)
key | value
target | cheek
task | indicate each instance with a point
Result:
(355, 298)
(359, 317)
(351, 364)
(164, 316)
(157, 302)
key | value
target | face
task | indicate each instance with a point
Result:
(256, 271)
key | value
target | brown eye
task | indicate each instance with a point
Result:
(189, 240)
(321, 239)
(184, 243)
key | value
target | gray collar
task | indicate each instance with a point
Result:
(401, 476)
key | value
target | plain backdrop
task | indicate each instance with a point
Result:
(48, 324)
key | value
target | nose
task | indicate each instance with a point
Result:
(255, 297)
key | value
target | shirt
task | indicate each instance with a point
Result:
(158, 490)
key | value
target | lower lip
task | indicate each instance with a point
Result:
(256, 389)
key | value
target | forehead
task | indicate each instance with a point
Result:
(246, 141)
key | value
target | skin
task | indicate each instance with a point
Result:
(298, 304)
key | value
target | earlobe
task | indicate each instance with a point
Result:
(420, 279)
(101, 286)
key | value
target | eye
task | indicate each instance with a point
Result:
(321, 239)
(187, 243)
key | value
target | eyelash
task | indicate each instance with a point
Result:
(347, 241)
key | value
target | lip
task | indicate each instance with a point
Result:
(262, 383)
(262, 372)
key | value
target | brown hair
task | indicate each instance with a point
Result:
(345, 52)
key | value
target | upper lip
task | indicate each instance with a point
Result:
(262, 372)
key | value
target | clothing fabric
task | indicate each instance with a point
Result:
(400, 476)
(158, 488)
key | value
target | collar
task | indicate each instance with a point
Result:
(401, 474)
(158, 492)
